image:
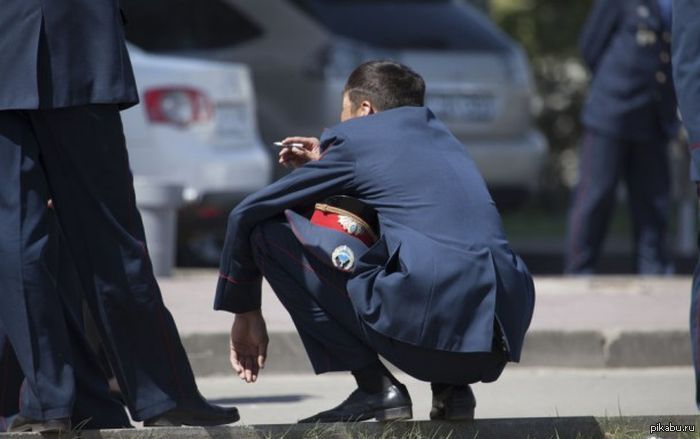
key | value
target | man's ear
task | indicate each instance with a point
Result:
(365, 108)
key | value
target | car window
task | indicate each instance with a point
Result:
(412, 24)
(172, 25)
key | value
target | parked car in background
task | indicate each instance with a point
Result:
(196, 126)
(301, 51)
(478, 80)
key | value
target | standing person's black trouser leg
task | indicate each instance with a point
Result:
(93, 407)
(600, 167)
(30, 306)
(35, 315)
(335, 337)
(695, 326)
(649, 188)
(603, 161)
(90, 181)
(11, 378)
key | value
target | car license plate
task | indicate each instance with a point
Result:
(478, 107)
(231, 119)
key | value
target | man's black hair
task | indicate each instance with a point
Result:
(386, 85)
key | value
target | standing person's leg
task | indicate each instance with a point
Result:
(601, 158)
(695, 326)
(11, 378)
(30, 307)
(649, 188)
(94, 406)
(91, 184)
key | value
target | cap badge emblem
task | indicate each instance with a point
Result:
(343, 258)
(350, 225)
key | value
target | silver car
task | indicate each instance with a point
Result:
(301, 51)
(196, 127)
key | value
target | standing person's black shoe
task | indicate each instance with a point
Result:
(452, 403)
(21, 424)
(200, 413)
(394, 402)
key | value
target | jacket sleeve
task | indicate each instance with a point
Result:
(601, 24)
(239, 286)
(686, 73)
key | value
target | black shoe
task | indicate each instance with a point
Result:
(200, 414)
(391, 403)
(23, 425)
(453, 403)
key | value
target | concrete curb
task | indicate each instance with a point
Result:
(530, 428)
(607, 349)
(590, 349)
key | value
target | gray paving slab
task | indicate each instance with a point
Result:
(597, 321)
(519, 393)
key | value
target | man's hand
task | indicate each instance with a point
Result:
(296, 157)
(248, 345)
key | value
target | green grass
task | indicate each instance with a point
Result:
(392, 430)
(611, 428)
(620, 429)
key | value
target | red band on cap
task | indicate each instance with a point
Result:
(329, 220)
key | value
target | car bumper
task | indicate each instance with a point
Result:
(204, 169)
(510, 163)
(229, 174)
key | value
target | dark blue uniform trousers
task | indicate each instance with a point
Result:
(335, 337)
(11, 378)
(78, 155)
(92, 405)
(644, 166)
(695, 327)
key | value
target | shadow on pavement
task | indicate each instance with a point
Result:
(274, 399)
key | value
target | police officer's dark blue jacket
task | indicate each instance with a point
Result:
(626, 45)
(442, 269)
(63, 53)
(686, 61)
(686, 66)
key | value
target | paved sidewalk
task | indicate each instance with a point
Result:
(525, 403)
(518, 393)
(578, 322)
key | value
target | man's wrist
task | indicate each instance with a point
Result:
(249, 314)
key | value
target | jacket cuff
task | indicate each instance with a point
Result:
(238, 296)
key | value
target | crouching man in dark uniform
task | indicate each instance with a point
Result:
(434, 289)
